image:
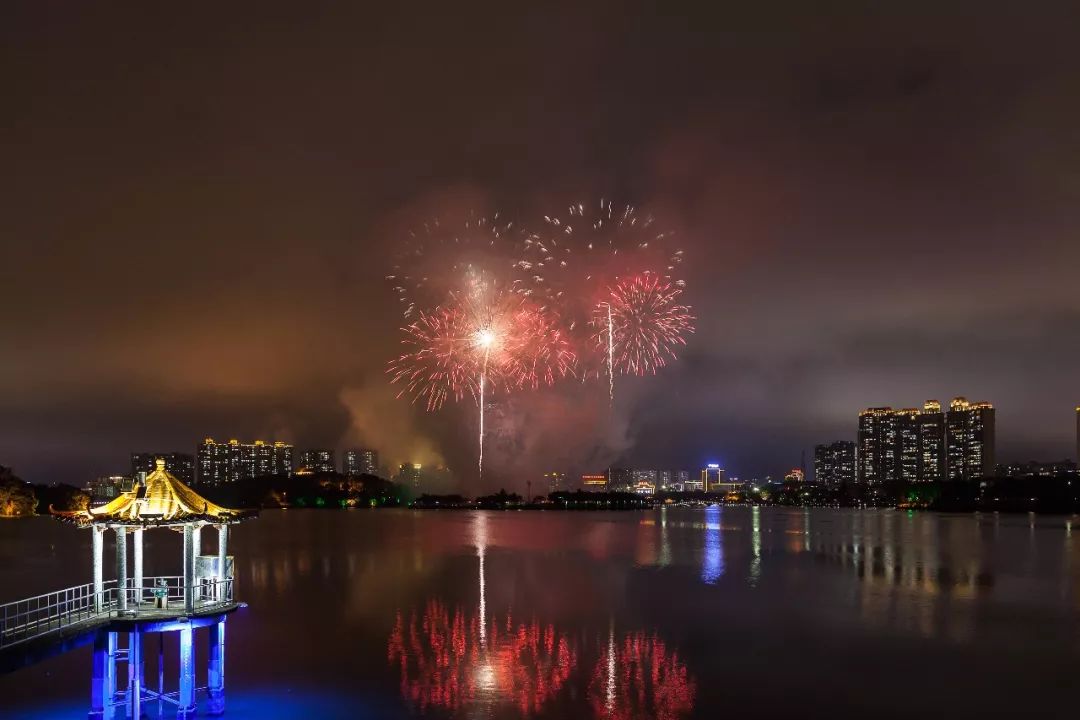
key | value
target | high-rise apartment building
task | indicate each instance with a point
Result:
(931, 442)
(620, 479)
(646, 476)
(834, 464)
(180, 465)
(360, 462)
(876, 446)
(410, 475)
(555, 481)
(907, 444)
(317, 460)
(969, 439)
(107, 487)
(218, 463)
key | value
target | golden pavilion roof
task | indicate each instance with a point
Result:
(160, 499)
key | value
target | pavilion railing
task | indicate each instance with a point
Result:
(33, 617)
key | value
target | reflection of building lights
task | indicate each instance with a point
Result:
(712, 563)
(755, 543)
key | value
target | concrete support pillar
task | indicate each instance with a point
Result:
(98, 694)
(189, 568)
(186, 708)
(121, 568)
(110, 668)
(222, 551)
(97, 546)
(161, 673)
(135, 675)
(216, 670)
(137, 547)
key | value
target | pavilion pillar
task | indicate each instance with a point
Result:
(110, 667)
(223, 552)
(137, 546)
(186, 707)
(196, 551)
(121, 568)
(135, 675)
(189, 568)
(97, 550)
(216, 670)
(99, 696)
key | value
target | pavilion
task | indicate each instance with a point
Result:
(202, 593)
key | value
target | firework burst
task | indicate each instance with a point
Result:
(440, 360)
(485, 340)
(586, 268)
(581, 252)
(640, 324)
(437, 259)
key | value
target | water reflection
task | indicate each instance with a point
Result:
(444, 662)
(504, 616)
(755, 545)
(455, 660)
(712, 564)
(640, 677)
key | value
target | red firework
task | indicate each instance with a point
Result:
(493, 337)
(640, 323)
(441, 362)
(538, 352)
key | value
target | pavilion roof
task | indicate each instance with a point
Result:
(159, 500)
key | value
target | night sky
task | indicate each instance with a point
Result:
(879, 203)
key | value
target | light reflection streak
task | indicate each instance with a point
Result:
(480, 537)
(755, 545)
(665, 541)
(712, 565)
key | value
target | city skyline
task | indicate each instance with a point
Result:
(918, 463)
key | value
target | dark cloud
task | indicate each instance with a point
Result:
(879, 204)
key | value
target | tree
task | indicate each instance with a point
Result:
(16, 497)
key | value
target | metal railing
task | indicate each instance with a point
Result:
(33, 617)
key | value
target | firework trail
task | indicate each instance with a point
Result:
(572, 267)
(447, 266)
(485, 339)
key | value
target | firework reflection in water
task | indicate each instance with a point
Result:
(639, 677)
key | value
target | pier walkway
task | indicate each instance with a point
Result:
(45, 625)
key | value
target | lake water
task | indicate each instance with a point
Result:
(733, 612)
